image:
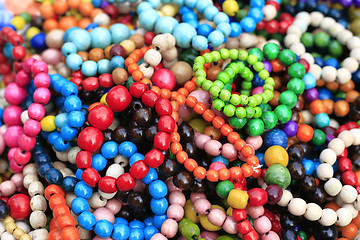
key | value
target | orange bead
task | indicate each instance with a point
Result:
(218, 122)
(232, 137)
(356, 220)
(226, 129)
(212, 175)
(224, 174)
(47, 11)
(50, 24)
(137, 75)
(341, 108)
(342, 238)
(247, 151)
(247, 170)
(65, 221)
(252, 160)
(205, 51)
(256, 173)
(73, 4)
(212, 132)
(199, 173)
(175, 116)
(190, 164)
(181, 99)
(235, 173)
(350, 231)
(175, 106)
(53, 189)
(84, 22)
(95, 12)
(239, 144)
(181, 157)
(165, 93)
(53, 224)
(70, 233)
(305, 133)
(56, 200)
(190, 86)
(332, 205)
(199, 108)
(317, 106)
(60, 7)
(174, 137)
(175, 148)
(329, 104)
(174, 95)
(67, 22)
(191, 101)
(208, 115)
(129, 61)
(276, 65)
(312, 238)
(60, 210)
(156, 89)
(183, 91)
(132, 68)
(54, 235)
(146, 81)
(94, 105)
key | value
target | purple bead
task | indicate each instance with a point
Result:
(104, 4)
(290, 128)
(329, 138)
(357, 3)
(346, 3)
(311, 94)
(268, 66)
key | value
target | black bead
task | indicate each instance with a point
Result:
(296, 152)
(191, 149)
(126, 213)
(168, 168)
(183, 180)
(120, 134)
(288, 234)
(186, 132)
(297, 170)
(142, 117)
(325, 233)
(307, 184)
(108, 135)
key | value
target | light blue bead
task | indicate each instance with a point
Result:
(216, 38)
(256, 14)
(309, 166)
(143, 7)
(61, 120)
(184, 33)
(121, 232)
(69, 88)
(83, 190)
(185, 9)
(89, 68)
(76, 119)
(81, 39)
(68, 33)
(87, 220)
(190, 3)
(136, 224)
(210, 13)
(309, 81)
(103, 228)
(136, 157)
(248, 24)
(188, 16)
(166, 1)
(201, 5)
(236, 29)
(257, 3)
(74, 61)
(103, 66)
(221, 159)
(154, 3)
(68, 133)
(322, 120)
(200, 43)
(78, 173)
(109, 149)
(151, 176)
(68, 48)
(221, 17)
(178, 2)
(119, 32)
(148, 18)
(100, 38)
(225, 28)
(193, 23)
(159, 206)
(149, 232)
(157, 189)
(98, 162)
(7, 50)
(79, 205)
(117, 62)
(166, 25)
(136, 234)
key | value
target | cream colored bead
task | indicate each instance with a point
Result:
(8, 219)
(304, 16)
(67, 172)
(62, 156)
(2, 228)
(4, 166)
(328, 217)
(350, 64)
(325, 171)
(344, 217)
(38, 219)
(114, 170)
(10, 227)
(221, 47)
(96, 201)
(335, 29)
(26, 237)
(357, 203)
(114, 124)
(102, 19)
(23, 225)
(152, 57)
(333, 123)
(313, 212)
(69, 198)
(128, 45)
(84, 234)
(170, 55)
(58, 165)
(308, 116)
(107, 195)
(147, 70)
(337, 145)
(316, 71)
(75, 217)
(294, 29)
(309, 58)
(232, 43)
(297, 206)
(269, 12)
(333, 187)
(343, 76)
(329, 74)
(348, 194)
(298, 48)
(160, 43)
(285, 199)
(327, 23)
(7, 236)
(18, 232)
(36, 188)
(353, 43)
(328, 156)
(339, 201)
(39, 234)
(170, 40)
(316, 18)
(355, 53)
(247, 40)
(38, 202)
(352, 209)
(24, 116)
(356, 133)
(347, 137)
(72, 154)
(30, 168)
(344, 36)
(301, 24)
(28, 179)
(290, 39)
(123, 161)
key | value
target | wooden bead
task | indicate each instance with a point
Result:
(357, 203)
(8, 219)
(84, 234)
(171, 41)
(10, 227)
(352, 209)
(328, 217)
(18, 232)
(69, 198)
(27, 237)
(7, 236)
(124, 162)
(285, 199)
(107, 195)
(170, 55)
(325, 171)
(115, 170)
(41, 234)
(30, 168)
(347, 137)
(30, 178)
(2, 228)
(356, 134)
(328, 156)
(333, 187)
(337, 145)
(152, 57)
(313, 212)
(38, 203)
(147, 70)
(160, 43)
(96, 201)
(59, 165)
(72, 154)
(36, 188)
(297, 206)
(344, 217)
(23, 225)
(38, 219)
(120, 76)
(348, 194)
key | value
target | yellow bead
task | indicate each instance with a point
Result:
(48, 124)
(198, 124)
(25, 237)
(128, 45)
(276, 154)
(8, 219)
(18, 22)
(10, 227)
(230, 7)
(205, 222)
(168, 10)
(238, 199)
(18, 232)
(103, 99)
(229, 211)
(31, 32)
(190, 212)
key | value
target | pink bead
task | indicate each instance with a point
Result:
(217, 166)
(2, 144)
(32, 127)
(26, 143)
(209, 235)
(202, 96)
(27, 64)
(195, 196)
(42, 95)
(51, 56)
(14, 94)
(255, 142)
(7, 188)
(176, 212)
(201, 140)
(21, 157)
(114, 205)
(257, 90)
(38, 67)
(12, 135)
(139, 187)
(216, 217)
(213, 147)
(184, 111)
(177, 197)
(16, 167)
(229, 151)
(104, 213)
(255, 212)
(36, 111)
(169, 228)
(42, 80)
(12, 115)
(159, 236)
(262, 225)
(170, 185)
(229, 225)
(164, 78)
(270, 236)
(3, 129)
(17, 178)
(22, 78)
(202, 206)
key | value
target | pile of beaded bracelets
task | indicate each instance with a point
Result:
(344, 36)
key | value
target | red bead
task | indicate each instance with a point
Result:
(107, 184)
(91, 84)
(244, 227)
(276, 226)
(139, 170)
(159, 66)
(164, 78)
(111, 10)
(269, 215)
(342, 128)
(239, 214)
(77, 73)
(21, 157)
(149, 98)
(260, 25)
(4, 31)
(118, 98)
(5, 68)
(344, 153)
(100, 117)
(137, 89)
(163, 107)
(2, 57)
(19, 205)
(285, 17)
(349, 178)
(78, 82)
(149, 36)
(252, 235)
(352, 125)
(90, 176)
(166, 124)
(125, 182)
(154, 158)
(83, 159)
(90, 139)
(357, 189)
(162, 141)
(257, 197)
(16, 40)
(272, 26)
(344, 164)
(283, 26)
(305, 63)
(106, 80)
(275, 4)
(19, 52)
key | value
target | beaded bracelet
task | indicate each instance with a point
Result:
(14, 230)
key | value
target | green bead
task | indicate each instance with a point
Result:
(200, 59)
(271, 51)
(258, 112)
(250, 112)
(218, 104)
(250, 77)
(244, 100)
(314, 54)
(231, 72)
(225, 95)
(224, 53)
(258, 66)
(255, 127)
(200, 80)
(319, 137)
(234, 66)
(252, 102)
(228, 85)
(302, 235)
(270, 81)
(265, 98)
(243, 55)
(265, 107)
(241, 14)
(322, 39)
(216, 56)
(288, 98)
(258, 99)
(296, 85)
(268, 87)
(183, 223)
(283, 113)
(207, 84)
(335, 49)
(296, 70)
(340, 95)
(129, 82)
(264, 74)
(229, 110)
(240, 112)
(279, 175)
(258, 53)
(287, 57)
(200, 73)
(234, 53)
(219, 83)
(269, 94)
(189, 56)
(307, 39)
(245, 73)
(235, 99)
(26, 16)
(224, 77)
(208, 57)
(191, 231)
(225, 237)
(252, 59)
(277, 36)
(245, 92)
(246, 85)
(223, 188)
(214, 91)
(241, 66)
(269, 118)
(237, 123)
(198, 66)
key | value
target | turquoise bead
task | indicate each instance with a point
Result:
(100, 38)
(148, 18)
(80, 38)
(184, 33)
(74, 61)
(89, 68)
(166, 25)
(119, 32)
